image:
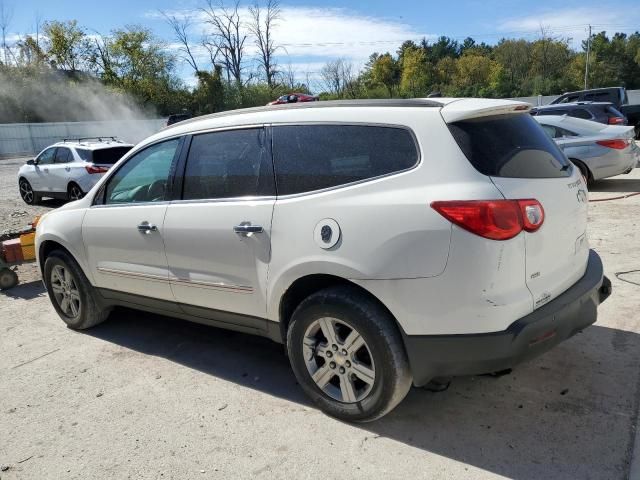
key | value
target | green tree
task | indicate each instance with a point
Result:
(67, 46)
(415, 75)
(386, 71)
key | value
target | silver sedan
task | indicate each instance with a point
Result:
(599, 151)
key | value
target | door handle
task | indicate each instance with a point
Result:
(147, 228)
(245, 229)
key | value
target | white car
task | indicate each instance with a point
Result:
(385, 243)
(600, 151)
(69, 169)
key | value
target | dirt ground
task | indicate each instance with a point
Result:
(148, 397)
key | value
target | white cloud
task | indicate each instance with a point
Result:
(314, 35)
(572, 23)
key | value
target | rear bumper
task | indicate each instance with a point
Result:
(449, 355)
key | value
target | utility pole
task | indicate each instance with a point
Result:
(586, 66)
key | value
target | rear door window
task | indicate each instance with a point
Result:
(512, 146)
(315, 157)
(228, 164)
(63, 155)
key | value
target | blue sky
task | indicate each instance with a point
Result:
(314, 32)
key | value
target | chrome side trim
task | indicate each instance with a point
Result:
(126, 273)
(213, 285)
(185, 281)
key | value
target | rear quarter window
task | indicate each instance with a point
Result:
(512, 146)
(315, 157)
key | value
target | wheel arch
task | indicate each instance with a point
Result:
(45, 249)
(578, 162)
(309, 284)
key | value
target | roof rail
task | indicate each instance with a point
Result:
(384, 102)
(100, 139)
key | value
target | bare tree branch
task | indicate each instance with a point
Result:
(6, 15)
(228, 35)
(180, 27)
(262, 30)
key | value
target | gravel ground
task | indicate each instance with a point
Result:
(148, 397)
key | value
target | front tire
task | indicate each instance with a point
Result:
(26, 192)
(347, 354)
(71, 294)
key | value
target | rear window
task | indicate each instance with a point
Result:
(103, 156)
(580, 113)
(314, 157)
(552, 111)
(614, 111)
(512, 146)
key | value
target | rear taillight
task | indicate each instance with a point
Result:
(94, 169)
(618, 144)
(616, 120)
(493, 219)
(532, 214)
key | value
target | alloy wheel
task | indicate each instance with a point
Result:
(65, 291)
(75, 193)
(338, 360)
(26, 192)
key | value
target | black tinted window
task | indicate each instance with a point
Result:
(553, 111)
(580, 113)
(47, 156)
(63, 155)
(109, 156)
(313, 157)
(228, 164)
(510, 146)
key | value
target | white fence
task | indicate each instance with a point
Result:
(26, 139)
(634, 98)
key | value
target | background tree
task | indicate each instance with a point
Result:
(386, 71)
(228, 36)
(180, 27)
(261, 26)
(67, 45)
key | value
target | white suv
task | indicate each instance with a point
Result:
(69, 169)
(384, 242)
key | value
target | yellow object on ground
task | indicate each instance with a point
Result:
(27, 243)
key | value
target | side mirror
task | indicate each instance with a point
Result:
(31, 162)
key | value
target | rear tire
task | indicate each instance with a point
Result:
(366, 374)
(74, 192)
(71, 294)
(584, 170)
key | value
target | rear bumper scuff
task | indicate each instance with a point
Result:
(449, 355)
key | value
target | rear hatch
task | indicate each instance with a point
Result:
(104, 157)
(507, 144)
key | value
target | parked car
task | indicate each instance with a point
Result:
(69, 169)
(294, 98)
(177, 117)
(384, 242)
(601, 112)
(616, 95)
(600, 151)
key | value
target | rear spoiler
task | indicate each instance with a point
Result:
(467, 108)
